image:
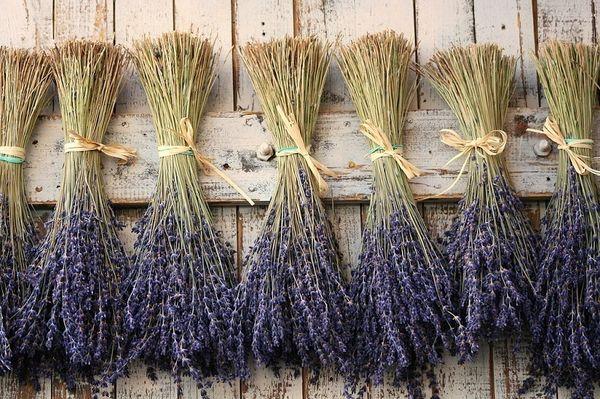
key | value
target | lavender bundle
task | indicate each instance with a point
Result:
(567, 322)
(401, 290)
(293, 298)
(69, 321)
(491, 245)
(24, 80)
(180, 290)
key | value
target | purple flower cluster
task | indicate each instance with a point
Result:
(68, 323)
(492, 252)
(293, 299)
(567, 321)
(13, 252)
(401, 290)
(180, 293)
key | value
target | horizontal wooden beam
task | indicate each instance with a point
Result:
(231, 140)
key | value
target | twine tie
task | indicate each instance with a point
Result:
(81, 144)
(385, 149)
(315, 167)
(186, 131)
(10, 154)
(580, 163)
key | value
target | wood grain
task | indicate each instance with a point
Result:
(231, 141)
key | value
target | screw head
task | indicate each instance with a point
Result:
(542, 148)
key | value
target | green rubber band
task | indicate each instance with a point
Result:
(11, 159)
(569, 141)
(380, 148)
(284, 150)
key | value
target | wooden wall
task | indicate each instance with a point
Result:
(233, 129)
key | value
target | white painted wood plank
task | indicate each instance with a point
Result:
(343, 20)
(264, 383)
(571, 20)
(88, 19)
(10, 388)
(440, 24)
(510, 23)
(231, 141)
(212, 18)
(257, 20)
(26, 23)
(138, 385)
(133, 20)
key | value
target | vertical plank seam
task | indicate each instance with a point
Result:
(491, 371)
(173, 10)
(473, 27)
(522, 62)
(594, 31)
(296, 28)
(536, 41)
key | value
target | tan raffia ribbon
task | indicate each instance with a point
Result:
(186, 131)
(387, 149)
(11, 154)
(80, 144)
(492, 144)
(551, 130)
(315, 167)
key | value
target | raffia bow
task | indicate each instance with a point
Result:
(386, 149)
(12, 154)
(315, 167)
(80, 144)
(186, 131)
(491, 144)
(551, 130)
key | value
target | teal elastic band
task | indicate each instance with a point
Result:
(284, 150)
(11, 159)
(380, 148)
(188, 152)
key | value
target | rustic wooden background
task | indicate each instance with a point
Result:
(233, 129)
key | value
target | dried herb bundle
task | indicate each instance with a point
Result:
(567, 322)
(401, 288)
(491, 246)
(24, 80)
(180, 290)
(69, 322)
(293, 298)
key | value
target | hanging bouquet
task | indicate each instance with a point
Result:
(293, 299)
(180, 289)
(24, 80)
(567, 322)
(401, 289)
(491, 246)
(69, 321)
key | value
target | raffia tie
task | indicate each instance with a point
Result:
(80, 144)
(11, 154)
(385, 149)
(580, 162)
(315, 167)
(491, 144)
(186, 131)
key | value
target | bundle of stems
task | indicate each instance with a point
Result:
(180, 290)
(491, 245)
(401, 289)
(24, 80)
(567, 322)
(69, 321)
(293, 296)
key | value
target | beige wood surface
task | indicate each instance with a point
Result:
(230, 137)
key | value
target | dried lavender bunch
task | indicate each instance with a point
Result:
(401, 288)
(180, 290)
(24, 80)
(69, 322)
(567, 324)
(293, 296)
(491, 245)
